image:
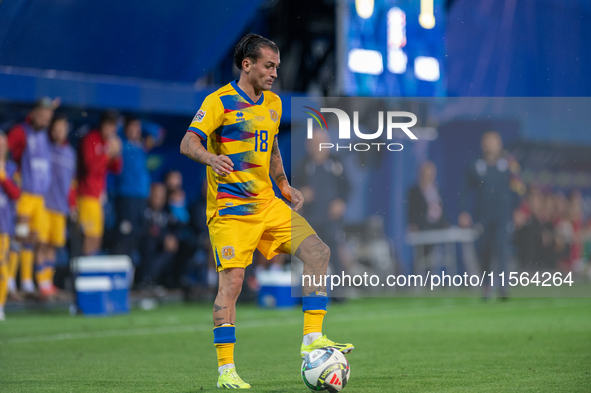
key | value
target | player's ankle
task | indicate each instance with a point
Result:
(224, 367)
(28, 286)
(311, 337)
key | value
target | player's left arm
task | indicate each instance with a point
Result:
(278, 175)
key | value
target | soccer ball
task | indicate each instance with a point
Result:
(325, 369)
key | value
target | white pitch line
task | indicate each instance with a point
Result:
(249, 324)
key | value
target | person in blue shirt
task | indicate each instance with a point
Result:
(132, 185)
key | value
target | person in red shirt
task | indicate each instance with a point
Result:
(99, 152)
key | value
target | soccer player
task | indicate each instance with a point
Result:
(240, 122)
(58, 201)
(29, 146)
(100, 151)
(8, 192)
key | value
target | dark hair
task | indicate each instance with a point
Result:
(250, 46)
(57, 117)
(130, 119)
(109, 116)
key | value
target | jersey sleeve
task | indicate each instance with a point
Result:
(17, 142)
(8, 184)
(209, 117)
(279, 113)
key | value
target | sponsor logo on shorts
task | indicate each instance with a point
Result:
(199, 116)
(228, 252)
(274, 115)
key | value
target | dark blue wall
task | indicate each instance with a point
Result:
(170, 40)
(521, 48)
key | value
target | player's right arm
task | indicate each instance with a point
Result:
(191, 147)
(209, 117)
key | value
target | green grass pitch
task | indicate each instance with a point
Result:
(401, 345)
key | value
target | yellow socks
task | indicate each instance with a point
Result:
(224, 338)
(3, 283)
(27, 258)
(225, 353)
(13, 264)
(313, 321)
(44, 276)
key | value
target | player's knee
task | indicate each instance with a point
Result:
(326, 251)
(236, 282)
(323, 252)
(232, 285)
(315, 251)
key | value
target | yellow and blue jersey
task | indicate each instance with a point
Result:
(244, 131)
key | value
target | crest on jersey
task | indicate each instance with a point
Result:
(199, 116)
(228, 252)
(274, 115)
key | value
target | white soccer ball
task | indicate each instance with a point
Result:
(325, 369)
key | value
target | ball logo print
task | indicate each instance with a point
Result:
(335, 380)
(325, 369)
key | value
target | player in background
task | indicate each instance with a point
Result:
(9, 191)
(99, 152)
(29, 145)
(240, 122)
(59, 199)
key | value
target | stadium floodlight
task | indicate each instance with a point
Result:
(427, 68)
(426, 17)
(364, 8)
(365, 61)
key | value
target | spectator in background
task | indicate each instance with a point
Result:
(133, 186)
(99, 152)
(173, 181)
(60, 199)
(8, 192)
(179, 220)
(425, 207)
(533, 236)
(159, 243)
(570, 230)
(187, 237)
(320, 178)
(29, 145)
(493, 181)
(562, 229)
(205, 263)
(177, 206)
